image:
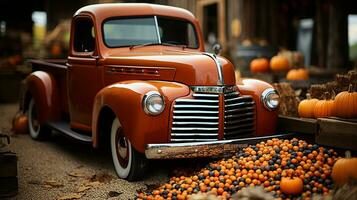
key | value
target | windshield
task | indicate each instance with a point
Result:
(143, 30)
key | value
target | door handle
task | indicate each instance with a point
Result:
(95, 57)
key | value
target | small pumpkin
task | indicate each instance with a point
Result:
(291, 186)
(306, 107)
(345, 104)
(56, 49)
(297, 74)
(259, 65)
(344, 170)
(20, 124)
(324, 108)
(279, 63)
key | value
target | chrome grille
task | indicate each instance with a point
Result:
(196, 119)
(239, 115)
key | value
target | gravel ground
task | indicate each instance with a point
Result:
(60, 166)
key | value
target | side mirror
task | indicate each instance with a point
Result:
(217, 48)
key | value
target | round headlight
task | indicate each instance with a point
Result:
(153, 103)
(270, 98)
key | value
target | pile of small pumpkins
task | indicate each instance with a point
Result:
(279, 63)
(287, 169)
(344, 105)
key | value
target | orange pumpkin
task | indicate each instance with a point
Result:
(324, 108)
(279, 63)
(259, 65)
(346, 104)
(20, 124)
(306, 107)
(297, 74)
(291, 185)
(56, 49)
(344, 170)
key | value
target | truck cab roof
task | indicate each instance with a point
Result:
(109, 10)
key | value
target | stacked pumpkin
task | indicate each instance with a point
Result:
(285, 168)
(344, 105)
(297, 74)
(277, 64)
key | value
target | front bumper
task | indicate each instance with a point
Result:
(203, 149)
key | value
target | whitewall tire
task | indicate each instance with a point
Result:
(128, 163)
(36, 130)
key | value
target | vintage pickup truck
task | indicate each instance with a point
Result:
(138, 77)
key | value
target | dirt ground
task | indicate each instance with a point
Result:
(60, 168)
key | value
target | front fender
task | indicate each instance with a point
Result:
(125, 100)
(43, 89)
(265, 120)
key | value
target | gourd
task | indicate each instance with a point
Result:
(291, 186)
(306, 107)
(345, 104)
(259, 65)
(344, 170)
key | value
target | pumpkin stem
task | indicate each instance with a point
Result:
(308, 96)
(348, 154)
(350, 88)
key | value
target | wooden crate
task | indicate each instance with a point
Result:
(337, 133)
(8, 187)
(297, 125)
(334, 132)
(8, 174)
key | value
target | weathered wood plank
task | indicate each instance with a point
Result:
(337, 133)
(297, 125)
(8, 187)
(8, 165)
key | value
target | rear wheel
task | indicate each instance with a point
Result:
(37, 131)
(129, 164)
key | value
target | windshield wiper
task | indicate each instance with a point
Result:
(155, 43)
(143, 45)
(174, 45)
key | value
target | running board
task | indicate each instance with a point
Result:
(64, 127)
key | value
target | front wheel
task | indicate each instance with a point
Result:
(129, 164)
(37, 131)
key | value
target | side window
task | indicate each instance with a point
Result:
(83, 35)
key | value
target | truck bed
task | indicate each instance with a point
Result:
(58, 69)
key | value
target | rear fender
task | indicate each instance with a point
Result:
(265, 120)
(43, 89)
(125, 100)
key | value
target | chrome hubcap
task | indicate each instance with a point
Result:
(122, 149)
(34, 120)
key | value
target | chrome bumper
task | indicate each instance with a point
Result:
(202, 149)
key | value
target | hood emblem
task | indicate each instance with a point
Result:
(219, 67)
(215, 89)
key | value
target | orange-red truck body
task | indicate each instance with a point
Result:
(88, 85)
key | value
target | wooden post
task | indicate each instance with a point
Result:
(274, 26)
(321, 31)
(337, 48)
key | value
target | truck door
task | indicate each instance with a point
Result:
(82, 76)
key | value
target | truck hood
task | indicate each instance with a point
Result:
(189, 67)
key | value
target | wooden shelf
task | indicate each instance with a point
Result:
(334, 132)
